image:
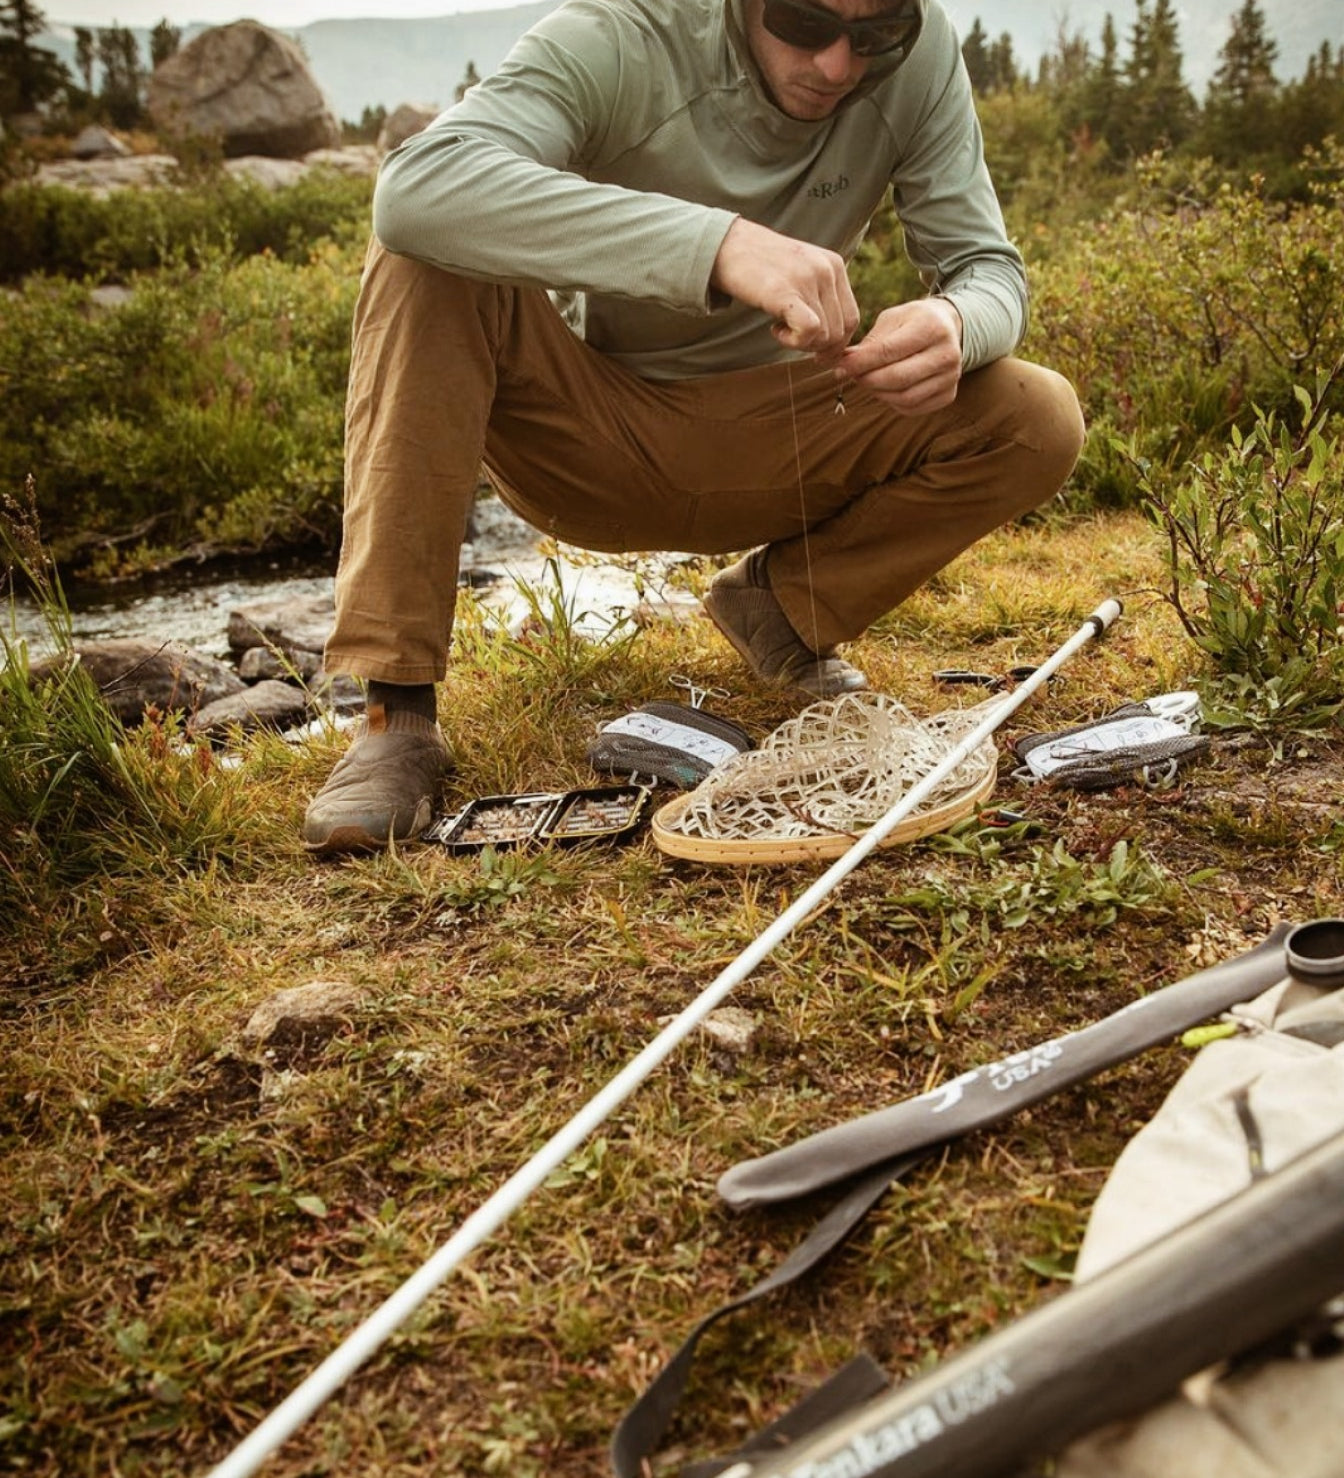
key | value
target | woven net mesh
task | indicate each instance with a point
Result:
(838, 767)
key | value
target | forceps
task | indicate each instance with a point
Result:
(696, 693)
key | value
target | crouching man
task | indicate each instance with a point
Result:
(615, 274)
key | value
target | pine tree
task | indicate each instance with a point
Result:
(1312, 108)
(1241, 106)
(1101, 96)
(29, 74)
(975, 53)
(122, 75)
(1003, 73)
(469, 80)
(1157, 105)
(84, 55)
(164, 41)
(1063, 76)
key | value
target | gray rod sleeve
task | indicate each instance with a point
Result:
(986, 1095)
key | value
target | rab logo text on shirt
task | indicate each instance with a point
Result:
(827, 188)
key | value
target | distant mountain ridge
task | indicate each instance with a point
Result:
(370, 63)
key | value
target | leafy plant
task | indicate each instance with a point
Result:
(202, 414)
(1048, 884)
(55, 230)
(1188, 302)
(1255, 554)
(78, 793)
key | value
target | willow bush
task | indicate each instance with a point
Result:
(1187, 306)
(203, 411)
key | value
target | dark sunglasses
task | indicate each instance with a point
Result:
(812, 28)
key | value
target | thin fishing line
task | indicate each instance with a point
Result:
(802, 514)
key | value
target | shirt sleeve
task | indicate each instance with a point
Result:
(496, 187)
(954, 230)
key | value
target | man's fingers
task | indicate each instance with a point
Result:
(804, 288)
(799, 326)
(911, 359)
(911, 387)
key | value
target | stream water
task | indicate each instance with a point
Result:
(193, 606)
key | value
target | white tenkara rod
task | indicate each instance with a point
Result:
(342, 1363)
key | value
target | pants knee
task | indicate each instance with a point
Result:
(1052, 422)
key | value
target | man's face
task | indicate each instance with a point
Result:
(808, 81)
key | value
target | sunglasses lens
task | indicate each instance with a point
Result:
(810, 28)
(875, 40)
(801, 25)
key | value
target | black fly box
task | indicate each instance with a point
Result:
(494, 821)
(601, 813)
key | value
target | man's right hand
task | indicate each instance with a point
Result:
(804, 288)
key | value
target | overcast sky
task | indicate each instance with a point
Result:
(284, 15)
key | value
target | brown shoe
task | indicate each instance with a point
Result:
(741, 604)
(384, 788)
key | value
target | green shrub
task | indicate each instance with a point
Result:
(204, 411)
(71, 233)
(1177, 312)
(1255, 542)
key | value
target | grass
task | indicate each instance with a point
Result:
(192, 1223)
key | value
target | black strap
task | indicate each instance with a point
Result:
(857, 1381)
(643, 1425)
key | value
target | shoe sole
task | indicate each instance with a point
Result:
(355, 838)
(346, 839)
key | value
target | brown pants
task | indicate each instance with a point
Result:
(858, 509)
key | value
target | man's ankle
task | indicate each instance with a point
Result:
(417, 698)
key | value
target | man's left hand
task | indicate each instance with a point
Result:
(910, 358)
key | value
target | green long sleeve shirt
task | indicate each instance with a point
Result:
(618, 141)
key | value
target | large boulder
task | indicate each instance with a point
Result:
(247, 86)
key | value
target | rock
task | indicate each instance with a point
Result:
(680, 608)
(731, 1031)
(110, 295)
(133, 675)
(264, 705)
(308, 1012)
(95, 142)
(495, 529)
(355, 159)
(341, 694)
(99, 177)
(404, 121)
(731, 1028)
(247, 86)
(260, 663)
(271, 174)
(286, 625)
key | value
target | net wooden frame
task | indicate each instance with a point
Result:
(822, 779)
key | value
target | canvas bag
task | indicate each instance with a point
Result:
(1245, 1106)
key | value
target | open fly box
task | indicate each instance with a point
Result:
(601, 813)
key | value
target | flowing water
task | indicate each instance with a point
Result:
(194, 607)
